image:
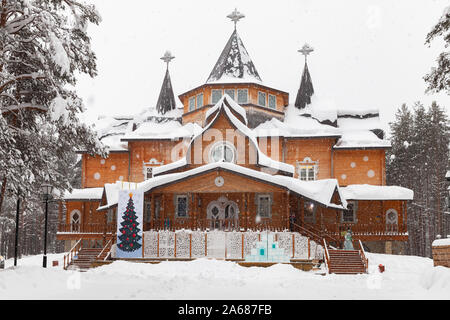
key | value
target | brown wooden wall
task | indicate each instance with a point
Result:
(88, 210)
(97, 171)
(441, 256)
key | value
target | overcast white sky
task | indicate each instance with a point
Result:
(367, 53)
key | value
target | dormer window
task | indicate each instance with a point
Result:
(307, 169)
(222, 151)
(261, 99)
(215, 95)
(242, 95)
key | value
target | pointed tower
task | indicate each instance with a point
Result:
(234, 61)
(166, 100)
(306, 90)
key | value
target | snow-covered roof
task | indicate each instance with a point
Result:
(234, 62)
(372, 192)
(304, 127)
(441, 242)
(360, 139)
(84, 194)
(320, 191)
(224, 104)
(227, 101)
(163, 130)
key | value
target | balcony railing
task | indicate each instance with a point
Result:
(364, 229)
(87, 228)
(217, 224)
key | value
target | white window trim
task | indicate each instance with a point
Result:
(237, 96)
(222, 143)
(355, 210)
(268, 99)
(196, 100)
(176, 206)
(189, 103)
(307, 162)
(265, 99)
(386, 216)
(221, 95)
(265, 195)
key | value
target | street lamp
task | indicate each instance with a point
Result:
(46, 191)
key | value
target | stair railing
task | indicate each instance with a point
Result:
(327, 255)
(108, 245)
(363, 255)
(73, 252)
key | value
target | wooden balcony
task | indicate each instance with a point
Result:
(94, 228)
(374, 231)
(243, 223)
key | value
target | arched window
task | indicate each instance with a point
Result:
(391, 220)
(222, 151)
(75, 220)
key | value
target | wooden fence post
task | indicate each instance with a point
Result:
(175, 246)
(190, 246)
(293, 245)
(157, 247)
(309, 249)
(206, 244)
(242, 245)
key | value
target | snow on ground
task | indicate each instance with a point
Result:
(406, 277)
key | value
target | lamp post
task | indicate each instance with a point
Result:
(47, 191)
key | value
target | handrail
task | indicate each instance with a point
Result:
(316, 236)
(363, 254)
(327, 255)
(69, 256)
(104, 248)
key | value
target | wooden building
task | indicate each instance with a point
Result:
(236, 155)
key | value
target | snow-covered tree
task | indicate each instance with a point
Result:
(43, 46)
(439, 77)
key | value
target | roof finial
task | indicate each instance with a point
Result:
(235, 16)
(167, 58)
(306, 50)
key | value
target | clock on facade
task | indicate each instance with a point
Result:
(219, 181)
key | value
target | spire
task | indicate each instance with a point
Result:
(234, 61)
(166, 100)
(306, 90)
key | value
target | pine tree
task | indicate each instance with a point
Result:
(439, 77)
(129, 233)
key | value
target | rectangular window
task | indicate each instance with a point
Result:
(215, 96)
(261, 98)
(182, 206)
(307, 169)
(147, 211)
(200, 100)
(272, 101)
(192, 104)
(349, 215)
(309, 212)
(148, 172)
(264, 206)
(230, 92)
(242, 95)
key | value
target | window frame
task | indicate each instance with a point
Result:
(258, 204)
(242, 102)
(199, 105)
(268, 101)
(223, 144)
(177, 213)
(212, 95)
(191, 107)
(265, 99)
(147, 216)
(306, 165)
(234, 93)
(354, 210)
(312, 219)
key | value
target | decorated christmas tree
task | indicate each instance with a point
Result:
(129, 233)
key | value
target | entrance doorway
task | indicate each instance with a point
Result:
(223, 214)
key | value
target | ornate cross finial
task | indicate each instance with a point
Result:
(235, 16)
(167, 58)
(306, 50)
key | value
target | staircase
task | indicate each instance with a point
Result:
(83, 260)
(340, 261)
